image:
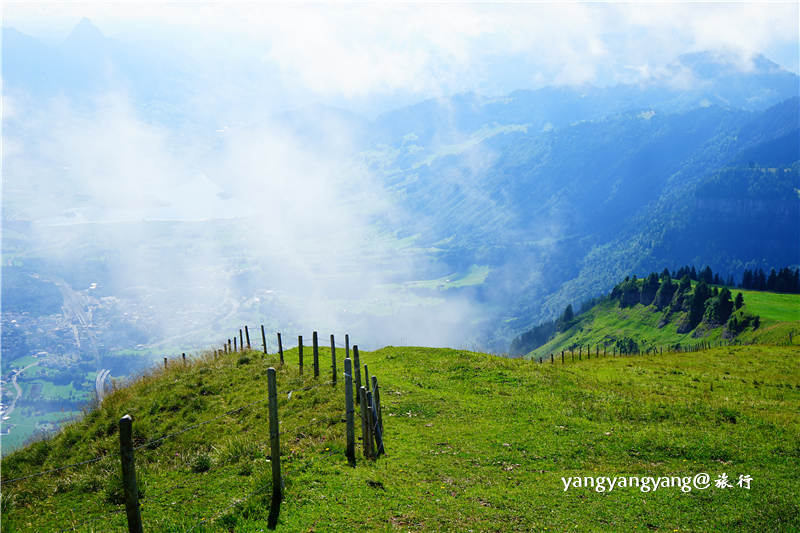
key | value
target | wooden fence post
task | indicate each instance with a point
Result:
(562, 357)
(366, 377)
(346, 345)
(165, 363)
(247, 335)
(377, 397)
(371, 424)
(235, 347)
(300, 352)
(315, 345)
(357, 371)
(362, 394)
(350, 451)
(129, 475)
(551, 359)
(280, 347)
(275, 448)
(263, 339)
(333, 359)
(241, 340)
(183, 355)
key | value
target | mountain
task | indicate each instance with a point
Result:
(560, 215)
(701, 79)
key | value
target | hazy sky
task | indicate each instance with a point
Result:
(380, 51)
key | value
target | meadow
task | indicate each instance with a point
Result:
(473, 442)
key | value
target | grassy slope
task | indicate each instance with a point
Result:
(473, 441)
(606, 322)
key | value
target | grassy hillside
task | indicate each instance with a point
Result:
(607, 321)
(473, 442)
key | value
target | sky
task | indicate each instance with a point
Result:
(368, 56)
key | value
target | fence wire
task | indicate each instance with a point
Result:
(58, 469)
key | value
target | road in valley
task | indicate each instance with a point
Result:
(98, 383)
(18, 388)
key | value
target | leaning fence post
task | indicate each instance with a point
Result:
(247, 336)
(357, 370)
(280, 347)
(275, 448)
(263, 339)
(333, 359)
(366, 377)
(371, 424)
(376, 398)
(315, 345)
(300, 351)
(129, 475)
(362, 394)
(350, 451)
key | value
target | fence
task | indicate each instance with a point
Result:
(367, 396)
(620, 351)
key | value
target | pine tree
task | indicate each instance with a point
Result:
(725, 306)
(739, 302)
(772, 280)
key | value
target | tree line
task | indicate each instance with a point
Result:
(698, 303)
(696, 298)
(784, 280)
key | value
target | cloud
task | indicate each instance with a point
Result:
(180, 222)
(354, 51)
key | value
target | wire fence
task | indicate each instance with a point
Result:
(288, 433)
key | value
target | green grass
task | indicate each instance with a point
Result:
(772, 307)
(473, 442)
(607, 321)
(476, 275)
